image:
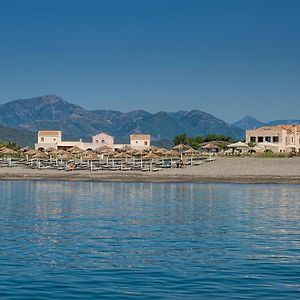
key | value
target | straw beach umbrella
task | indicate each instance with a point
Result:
(172, 153)
(7, 151)
(25, 149)
(40, 155)
(151, 155)
(122, 155)
(191, 152)
(181, 147)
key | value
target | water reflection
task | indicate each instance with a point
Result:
(180, 234)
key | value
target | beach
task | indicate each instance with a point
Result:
(223, 169)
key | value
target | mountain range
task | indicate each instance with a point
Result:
(21, 119)
(54, 113)
(249, 122)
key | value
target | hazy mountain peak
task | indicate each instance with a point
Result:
(248, 122)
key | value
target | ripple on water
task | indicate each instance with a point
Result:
(87, 240)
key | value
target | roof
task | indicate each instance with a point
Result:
(140, 136)
(49, 132)
(102, 133)
(288, 128)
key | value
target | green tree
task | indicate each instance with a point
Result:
(195, 142)
(181, 139)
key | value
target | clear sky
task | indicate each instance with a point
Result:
(228, 58)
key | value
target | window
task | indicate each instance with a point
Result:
(260, 139)
(42, 139)
(54, 139)
(253, 139)
(145, 143)
(275, 139)
(136, 142)
(102, 141)
(97, 141)
(268, 139)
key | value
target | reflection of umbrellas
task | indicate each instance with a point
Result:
(151, 155)
(6, 150)
(181, 147)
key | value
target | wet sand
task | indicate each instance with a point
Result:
(224, 169)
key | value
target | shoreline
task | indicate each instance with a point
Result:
(155, 179)
(223, 170)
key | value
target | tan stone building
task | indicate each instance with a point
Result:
(103, 139)
(278, 138)
(140, 141)
(53, 139)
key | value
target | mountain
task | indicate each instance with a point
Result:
(19, 136)
(248, 122)
(51, 112)
(285, 122)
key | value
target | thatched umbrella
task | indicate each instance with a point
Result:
(151, 155)
(191, 152)
(32, 152)
(172, 153)
(91, 156)
(65, 156)
(152, 149)
(181, 147)
(7, 151)
(25, 149)
(40, 155)
(125, 148)
(140, 153)
(122, 155)
(75, 150)
(102, 149)
(108, 152)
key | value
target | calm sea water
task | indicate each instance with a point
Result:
(91, 240)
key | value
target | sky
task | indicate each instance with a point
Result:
(228, 58)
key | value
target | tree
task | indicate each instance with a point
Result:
(181, 139)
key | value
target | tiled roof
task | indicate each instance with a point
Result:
(140, 137)
(288, 128)
(50, 133)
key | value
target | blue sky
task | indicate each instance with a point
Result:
(228, 58)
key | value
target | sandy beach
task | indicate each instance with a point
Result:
(223, 169)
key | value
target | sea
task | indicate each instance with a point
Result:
(105, 240)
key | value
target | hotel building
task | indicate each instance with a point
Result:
(278, 138)
(53, 139)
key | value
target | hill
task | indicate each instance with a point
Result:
(19, 136)
(52, 112)
(249, 122)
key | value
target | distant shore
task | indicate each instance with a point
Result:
(230, 170)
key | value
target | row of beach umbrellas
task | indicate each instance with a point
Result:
(152, 152)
